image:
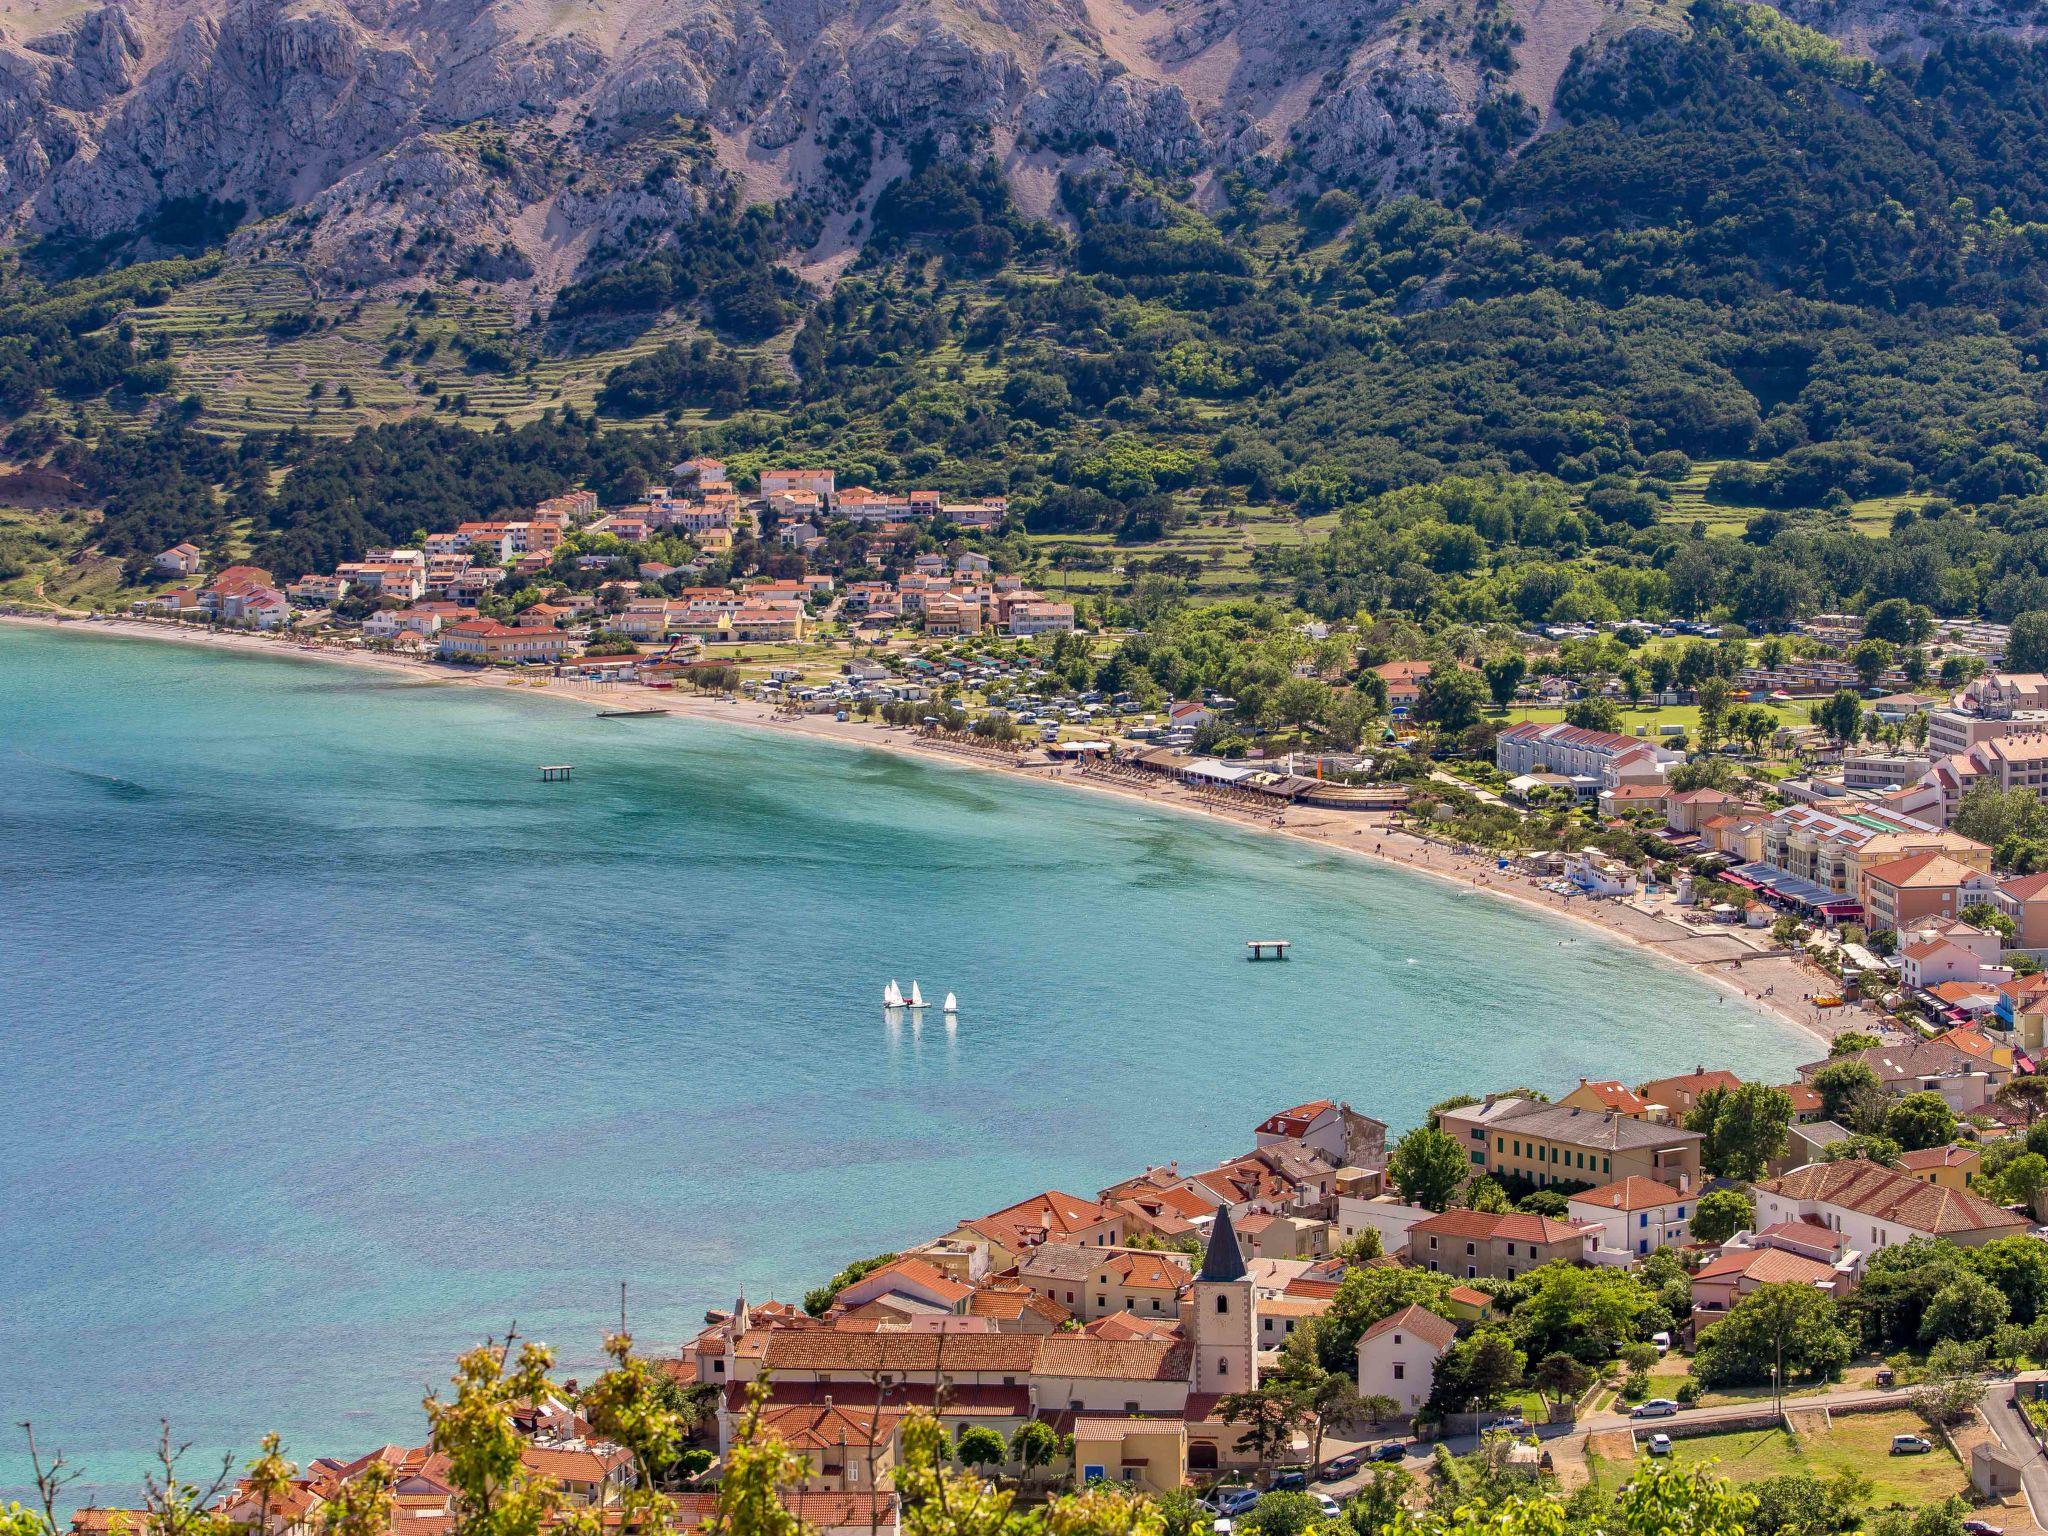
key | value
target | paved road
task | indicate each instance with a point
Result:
(2006, 1423)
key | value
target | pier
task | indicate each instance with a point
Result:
(557, 773)
(1267, 949)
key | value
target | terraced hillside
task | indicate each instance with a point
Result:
(264, 351)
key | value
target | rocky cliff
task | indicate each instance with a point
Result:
(377, 139)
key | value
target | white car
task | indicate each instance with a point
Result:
(1660, 1444)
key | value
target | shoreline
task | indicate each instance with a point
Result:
(1722, 956)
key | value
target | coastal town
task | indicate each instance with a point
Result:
(1556, 1285)
(1543, 1288)
(1792, 816)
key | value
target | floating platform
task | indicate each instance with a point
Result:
(1267, 949)
(555, 773)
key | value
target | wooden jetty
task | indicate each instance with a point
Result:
(1267, 949)
(555, 773)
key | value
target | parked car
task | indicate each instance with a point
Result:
(1338, 1466)
(1330, 1507)
(1235, 1501)
(1389, 1450)
(1662, 1340)
(1885, 1376)
(1654, 1408)
(1911, 1445)
(1514, 1426)
(1660, 1444)
(1982, 1528)
(1293, 1477)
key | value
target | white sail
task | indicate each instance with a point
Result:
(916, 997)
(952, 1003)
(892, 995)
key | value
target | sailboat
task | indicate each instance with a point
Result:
(916, 997)
(952, 1003)
(892, 995)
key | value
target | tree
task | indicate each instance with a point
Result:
(1593, 712)
(1952, 1386)
(1269, 1416)
(1476, 1372)
(362, 1505)
(1898, 621)
(1283, 1514)
(1035, 1445)
(2026, 649)
(1504, 674)
(1561, 1377)
(1786, 1326)
(979, 1447)
(633, 1405)
(1851, 1093)
(2029, 1094)
(1362, 1245)
(1881, 1150)
(1745, 1128)
(1720, 1214)
(1713, 696)
(1870, 658)
(1581, 1311)
(1380, 1505)
(2018, 1266)
(1450, 698)
(1485, 1194)
(495, 1493)
(1919, 1121)
(1840, 718)
(1364, 1296)
(2019, 1182)
(1967, 1307)
(1428, 1168)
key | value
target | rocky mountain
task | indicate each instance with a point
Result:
(505, 139)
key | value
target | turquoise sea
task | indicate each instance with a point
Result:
(332, 1040)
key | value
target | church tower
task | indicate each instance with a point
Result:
(1223, 1325)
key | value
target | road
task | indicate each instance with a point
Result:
(2011, 1429)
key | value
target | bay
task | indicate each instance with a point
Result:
(333, 1041)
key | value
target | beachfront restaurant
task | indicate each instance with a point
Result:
(1810, 900)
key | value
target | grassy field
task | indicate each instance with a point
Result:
(1673, 1369)
(1857, 1443)
(1650, 717)
(237, 345)
(1872, 517)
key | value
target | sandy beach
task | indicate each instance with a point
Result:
(1741, 961)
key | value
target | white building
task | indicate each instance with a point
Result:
(1634, 1217)
(1397, 1356)
(1533, 747)
(1874, 1207)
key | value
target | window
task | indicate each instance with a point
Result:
(1222, 1302)
(1400, 1370)
(1222, 1369)
(1432, 1244)
(1473, 1274)
(1470, 1249)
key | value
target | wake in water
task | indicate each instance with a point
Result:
(113, 784)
